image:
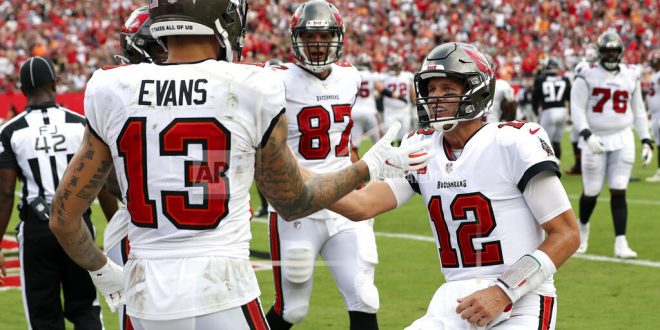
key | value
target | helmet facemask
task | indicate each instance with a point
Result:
(469, 105)
(316, 55)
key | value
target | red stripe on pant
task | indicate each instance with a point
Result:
(547, 303)
(127, 321)
(257, 317)
(275, 258)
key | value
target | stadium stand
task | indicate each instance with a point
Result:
(81, 36)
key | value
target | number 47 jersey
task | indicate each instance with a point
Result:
(480, 220)
(183, 140)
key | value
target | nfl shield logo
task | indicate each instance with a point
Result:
(449, 168)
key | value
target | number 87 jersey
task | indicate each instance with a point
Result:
(319, 115)
(183, 139)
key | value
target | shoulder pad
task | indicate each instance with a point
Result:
(421, 131)
(261, 65)
(344, 64)
(518, 124)
(110, 67)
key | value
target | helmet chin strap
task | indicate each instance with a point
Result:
(441, 126)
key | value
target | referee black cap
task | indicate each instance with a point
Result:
(37, 71)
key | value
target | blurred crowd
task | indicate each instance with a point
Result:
(81, 36)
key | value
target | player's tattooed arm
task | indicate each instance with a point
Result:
(81, 183)
(293, 192)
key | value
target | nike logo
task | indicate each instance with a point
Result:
(533, 131)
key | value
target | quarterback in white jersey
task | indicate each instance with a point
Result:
(319, 95)
(186, 138)
(606, 100)
(653, 103)
(492, 191)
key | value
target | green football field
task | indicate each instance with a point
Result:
(596, 291)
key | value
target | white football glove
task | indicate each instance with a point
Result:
(647, 152)
(385, 161)
(595, 144)
(108, 280)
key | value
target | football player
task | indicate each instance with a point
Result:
(367, 121)
(320, 92)
(590, 56)
(397, 105)
(606, 100)
(492, 191)
(653, 102)
(551, 94)
(186, 138)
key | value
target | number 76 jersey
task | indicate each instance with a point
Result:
(480, 220)
(183, 139)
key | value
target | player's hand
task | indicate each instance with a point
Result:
(385, 161)
(647, 152)
(485, 306)
(595, 144)
(108, 280)
(593, 141)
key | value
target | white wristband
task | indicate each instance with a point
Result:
(526, 275)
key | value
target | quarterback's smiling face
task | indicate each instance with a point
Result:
(450, 89)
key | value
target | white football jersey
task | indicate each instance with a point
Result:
(366, 100)
(319, 115)
(478, 215)
(401, 83)
(117, 228)
(503, 91)
(607, 102)
(653, 97)
(183, 139)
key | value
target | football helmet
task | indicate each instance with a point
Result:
(655, 60)
(137, 44)
(591, 54)
(395, 63)
(317, 16)
(223, 18)
(608, 42)
(551, 65)
(363, 61)
(462, 61)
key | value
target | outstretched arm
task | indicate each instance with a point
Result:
(279, 178)
(78, 188)
(374, 199)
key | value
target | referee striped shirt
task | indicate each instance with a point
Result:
(39, 143)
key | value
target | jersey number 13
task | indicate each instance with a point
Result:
(208, 174)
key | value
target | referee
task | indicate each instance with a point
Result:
(36, 146)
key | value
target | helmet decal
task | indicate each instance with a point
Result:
(479, 60)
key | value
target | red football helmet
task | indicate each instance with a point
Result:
(137, 44)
